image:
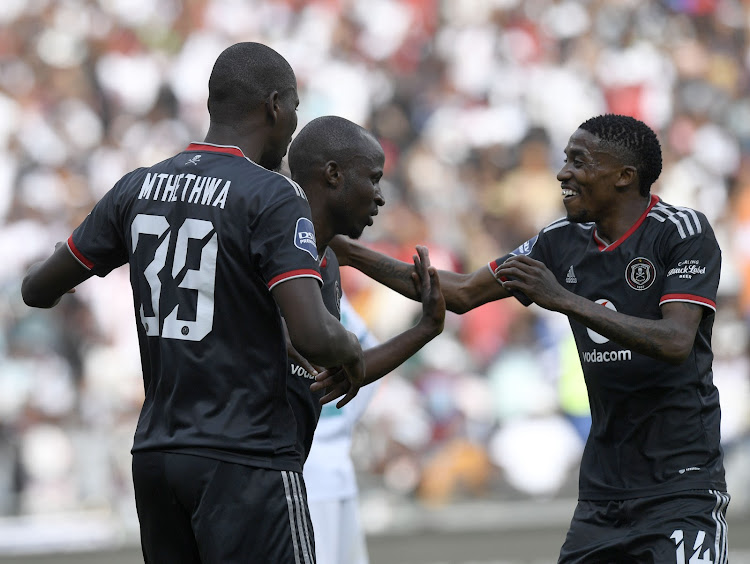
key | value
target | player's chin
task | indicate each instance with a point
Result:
(272, 162)
(576, 215)
(356, 232)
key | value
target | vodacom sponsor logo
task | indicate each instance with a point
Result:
(596, 337)
(595, 356)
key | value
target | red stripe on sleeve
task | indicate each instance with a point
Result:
(688, 298)
(76, 253)
(303, 273)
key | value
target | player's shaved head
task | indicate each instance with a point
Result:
(632, 141)
(327, 138)
(243, 77)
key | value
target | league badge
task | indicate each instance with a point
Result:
(304, 237)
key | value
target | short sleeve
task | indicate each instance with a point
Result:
(283, 242)
(98, 243)
(531, 248)
(692, 269)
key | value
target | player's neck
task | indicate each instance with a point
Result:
(251, 144)
(323, 230)
(610, 229)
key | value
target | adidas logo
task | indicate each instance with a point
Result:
(570, 277)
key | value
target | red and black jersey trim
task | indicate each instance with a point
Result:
(691, 298)
(78, 255)
(208, 147)
(301, 273)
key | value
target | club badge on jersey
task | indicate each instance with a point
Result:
(640, 273)
(304, 237)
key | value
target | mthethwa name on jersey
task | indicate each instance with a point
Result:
(190, 188)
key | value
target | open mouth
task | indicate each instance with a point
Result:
(567, 193)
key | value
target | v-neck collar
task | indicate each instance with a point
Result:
(604, 246)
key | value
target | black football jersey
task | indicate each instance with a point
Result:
(207, 234)
(655, 426)
(306, 403)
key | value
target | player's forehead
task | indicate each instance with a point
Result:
(583, 143)
(369, 153)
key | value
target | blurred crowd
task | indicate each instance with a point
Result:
(473, 102)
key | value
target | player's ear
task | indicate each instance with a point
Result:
(272, 107)
(332, 172)
(628, 176)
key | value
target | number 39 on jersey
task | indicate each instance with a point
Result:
(201, 279)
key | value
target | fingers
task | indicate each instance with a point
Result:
(328, 378)
(516, 267)
(349, 396)
(332, 395)
(422, 276)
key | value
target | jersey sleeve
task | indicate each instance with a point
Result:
(531, 248)
(283, 241)
(98, 243)
(692, 268)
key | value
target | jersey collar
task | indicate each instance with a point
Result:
(603, 246)
(210, 147)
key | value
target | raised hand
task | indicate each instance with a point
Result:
(427, 284)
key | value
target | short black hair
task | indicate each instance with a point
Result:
(327, 138)
(631, 140)
(244, 75)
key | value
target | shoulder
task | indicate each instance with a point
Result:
(682, 221)
(564, 231)
(563, 223)
(330, 259)
(129, 183)
(283, 185)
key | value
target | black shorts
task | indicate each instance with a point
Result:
(196, 510)
(677, 528)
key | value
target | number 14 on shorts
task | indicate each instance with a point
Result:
(679, 540)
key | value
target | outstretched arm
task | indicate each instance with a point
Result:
(47, 281)
(386, 357)
(462, 292)
(669, 339)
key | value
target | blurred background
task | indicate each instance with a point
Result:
(473, 102)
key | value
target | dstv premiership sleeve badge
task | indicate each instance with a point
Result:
(283, 242)
(304, 237)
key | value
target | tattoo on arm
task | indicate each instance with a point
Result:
(390, 271)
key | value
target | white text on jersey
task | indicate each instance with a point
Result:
(194, 189)
(606, 356)
(299, 371)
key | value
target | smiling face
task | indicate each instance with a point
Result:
(360, 195)
(589, 179)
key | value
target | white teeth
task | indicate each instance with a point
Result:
(568, 192)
